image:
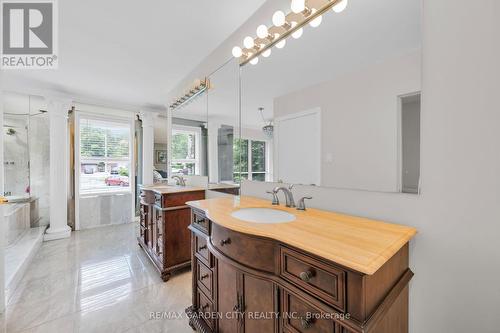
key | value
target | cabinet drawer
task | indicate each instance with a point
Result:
(205, 308)
(321, 279)
(201, 249)
(299, 316)
(204, 278)
(200, 222)
(251, 251)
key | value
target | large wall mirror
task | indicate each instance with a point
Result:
(223, 128)
(204, 132)
(189, 138)
(340, 106)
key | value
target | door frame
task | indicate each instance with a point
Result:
(399, 159)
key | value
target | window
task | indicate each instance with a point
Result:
(186, 150)
(105, 156)
(250, 160)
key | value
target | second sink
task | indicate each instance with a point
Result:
(263, 215)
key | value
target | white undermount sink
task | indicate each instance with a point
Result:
(263, 215)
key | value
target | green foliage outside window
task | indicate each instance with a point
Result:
(241, 163)
(95, 140)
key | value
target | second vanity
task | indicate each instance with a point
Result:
(320, 272)
(164, 219)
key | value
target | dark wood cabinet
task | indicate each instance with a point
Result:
(228, 298)
(164, 233)
(260, 304)
(255, 284)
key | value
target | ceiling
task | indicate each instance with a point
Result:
(133, 53)
(367, 32)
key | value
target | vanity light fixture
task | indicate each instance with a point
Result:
(303, 13)
(199, 87)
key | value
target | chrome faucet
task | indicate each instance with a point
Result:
(302, 205)
(179, 180)
(276, 200)
(288, 195)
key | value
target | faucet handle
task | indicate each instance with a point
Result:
(290, 187)
(302, 205)
(276, 200)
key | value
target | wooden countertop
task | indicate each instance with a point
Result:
(357, 243)
(169, 189)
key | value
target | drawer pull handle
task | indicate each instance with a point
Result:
(203, 247)
(306, 276)
(203, 277)
(225, 242)
(306, 323)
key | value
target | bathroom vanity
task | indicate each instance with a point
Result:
(321, 272)
(164, 219)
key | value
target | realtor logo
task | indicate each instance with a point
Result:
(29, 35)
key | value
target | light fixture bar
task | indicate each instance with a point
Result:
(189, 96)
(321, 6)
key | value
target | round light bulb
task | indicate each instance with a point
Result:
(254, 61)
(281, 44)
(297, 34)
(248, 42)
(237, 52)
(317, 21)
(279, 18)
(298, 6)
(340, 6)
(266, 53)
(262, 31)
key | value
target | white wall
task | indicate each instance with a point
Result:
(359, 122)
(456, 254)
(2, 232)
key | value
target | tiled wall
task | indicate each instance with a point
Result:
(101, 210)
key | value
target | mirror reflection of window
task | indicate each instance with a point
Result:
(186, 150)
(250, 160)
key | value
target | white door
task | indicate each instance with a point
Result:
(298, 148)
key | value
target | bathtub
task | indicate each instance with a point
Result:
(17, 221)
(18, 198)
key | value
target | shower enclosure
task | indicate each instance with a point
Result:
(26, 154)
(26, 181)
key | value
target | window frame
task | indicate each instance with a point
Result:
(182, 129)
(81, 115)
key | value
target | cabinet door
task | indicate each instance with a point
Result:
(227, 297)
(260, 298)
(177, 236)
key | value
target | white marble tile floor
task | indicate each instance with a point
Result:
(99, 280)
